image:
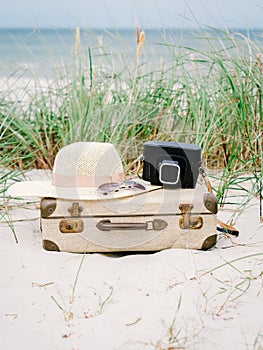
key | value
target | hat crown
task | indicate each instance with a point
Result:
(93, 161)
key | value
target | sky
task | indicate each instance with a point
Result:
(123, 13)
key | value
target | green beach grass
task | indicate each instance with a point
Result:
(211, 97)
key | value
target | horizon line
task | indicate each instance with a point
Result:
(106, 28)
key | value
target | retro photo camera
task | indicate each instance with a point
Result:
(171, 164)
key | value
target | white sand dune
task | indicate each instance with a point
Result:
(173, 299)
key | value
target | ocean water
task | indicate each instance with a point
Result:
(41, 52)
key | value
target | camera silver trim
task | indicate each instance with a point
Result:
(160, 173)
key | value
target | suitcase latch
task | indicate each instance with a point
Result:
(75, 209)
(189, 221)
(71, 226)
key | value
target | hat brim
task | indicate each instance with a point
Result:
(43, 189)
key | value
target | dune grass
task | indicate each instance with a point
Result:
(211, 97)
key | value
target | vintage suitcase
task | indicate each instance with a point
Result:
(159, 219)
(88, 206)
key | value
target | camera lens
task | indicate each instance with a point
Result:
(169, 172)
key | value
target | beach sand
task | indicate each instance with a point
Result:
(172, 299)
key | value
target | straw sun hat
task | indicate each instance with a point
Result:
(79, 169)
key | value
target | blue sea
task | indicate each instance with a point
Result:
(41, 52)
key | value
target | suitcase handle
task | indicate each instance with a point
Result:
(107, 225)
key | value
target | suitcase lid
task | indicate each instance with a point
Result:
(160, 201)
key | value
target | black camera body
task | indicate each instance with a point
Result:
(171, 164)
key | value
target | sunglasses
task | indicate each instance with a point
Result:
(112, 187)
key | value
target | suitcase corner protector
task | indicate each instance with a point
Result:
(50, 245)
(209, 242)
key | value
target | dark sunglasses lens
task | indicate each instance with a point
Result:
(109, 187)
(133, 185)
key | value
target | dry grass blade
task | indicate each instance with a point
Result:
(140, 44)
(140, 38)
(137, 32)
(77, 41)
